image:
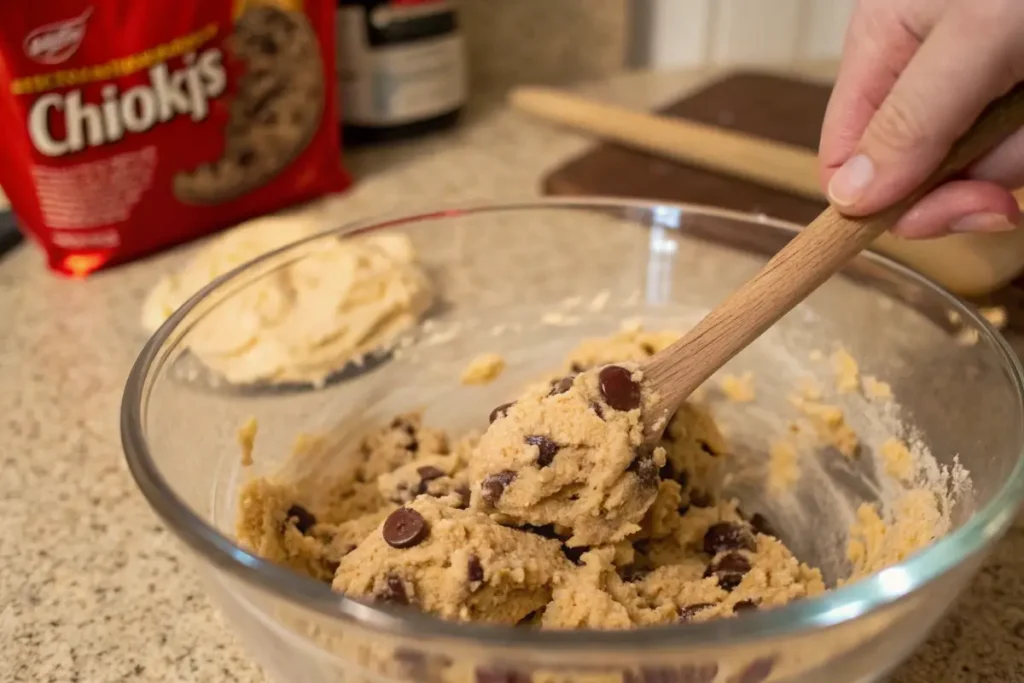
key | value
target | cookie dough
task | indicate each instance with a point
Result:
(483, 369)
(454, 563)
(570, 454)
(305, 320)
(584, 531)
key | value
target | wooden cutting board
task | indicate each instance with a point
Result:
(766, 105)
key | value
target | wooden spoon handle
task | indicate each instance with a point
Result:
(810, 258)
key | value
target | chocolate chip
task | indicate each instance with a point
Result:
(405, 528)
(266, 45)
(701, 499)
(546, 448)
(264, 100)
(401, 425)
(499, 675)
(762, 525)
(729, 581)
(576, 367)
(647, 349)
(393, 591)
(730, 570)
(303, 519)
(632, 573)
(501, 411)
(689, 611)
(574, 555)
(474, 570)
(464, 497)
(645, 469)
(598, 410)
(529, 619)
(744, 606)
(667, 471)
(728, 536)
(641, 565)
(618, 388)
(429, 473)
(560, 386)
(732, 562)
(706, 448)
(545, 531)
(492, 487)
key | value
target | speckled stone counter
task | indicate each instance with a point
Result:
(93, 588)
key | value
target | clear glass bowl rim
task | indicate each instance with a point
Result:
(830, 609)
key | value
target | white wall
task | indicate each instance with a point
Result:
(667, 33)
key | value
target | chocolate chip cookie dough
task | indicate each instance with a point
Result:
(570, 455)
(553, 518)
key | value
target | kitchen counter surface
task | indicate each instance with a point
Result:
(94, 588)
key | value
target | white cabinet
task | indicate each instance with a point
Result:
(667, 33)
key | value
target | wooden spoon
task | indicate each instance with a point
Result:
(818, 252)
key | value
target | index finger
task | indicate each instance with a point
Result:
(882, 38)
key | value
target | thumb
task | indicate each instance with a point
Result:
(941, 92)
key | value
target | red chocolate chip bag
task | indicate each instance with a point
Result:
(130, 126)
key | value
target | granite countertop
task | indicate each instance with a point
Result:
(94, 588)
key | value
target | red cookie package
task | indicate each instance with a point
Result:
(131, 126)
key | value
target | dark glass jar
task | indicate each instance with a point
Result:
(401, 68)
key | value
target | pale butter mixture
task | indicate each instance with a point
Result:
(333, 306)
(557, 517)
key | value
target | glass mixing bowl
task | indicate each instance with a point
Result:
(529, 281)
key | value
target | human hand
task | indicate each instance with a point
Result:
(914, 75)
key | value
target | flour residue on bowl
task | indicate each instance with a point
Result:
(845, 467)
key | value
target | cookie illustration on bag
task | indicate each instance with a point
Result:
(277, 109)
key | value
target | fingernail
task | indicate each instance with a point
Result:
(982, 222)
(851, 180)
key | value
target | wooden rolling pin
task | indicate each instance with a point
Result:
(970, 265)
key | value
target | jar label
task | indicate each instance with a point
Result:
(395, 84)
